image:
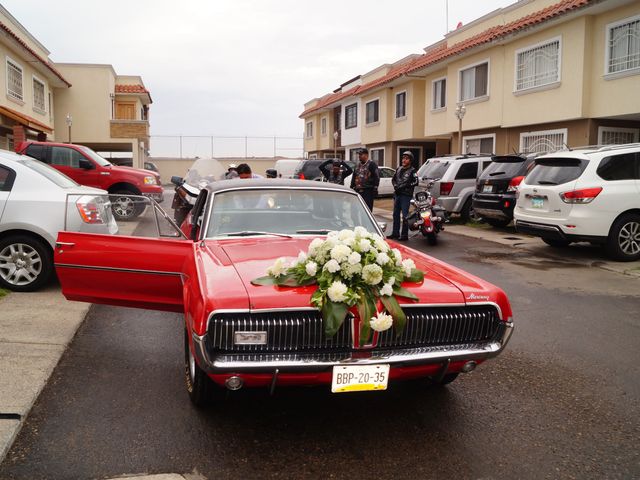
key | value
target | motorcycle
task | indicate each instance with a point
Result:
(426, 216)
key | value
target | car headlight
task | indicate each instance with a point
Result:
(149, 180)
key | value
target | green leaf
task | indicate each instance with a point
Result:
(333, 315)
(317, 298)
(366, 310)
(393, 307)
(403, 292)
(264, 281)
(415, 277)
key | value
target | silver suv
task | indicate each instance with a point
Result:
(456, 180)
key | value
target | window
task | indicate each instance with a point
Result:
(545, 141)
(538, 65)
(479, 144)
(401, 105)
(372, 109)
(616, 136)
(377, 155)
(620, 167)
(38, 95)
(556, 171)
(467, 171)
(623, 45)
(14, 80)
(309, 131)
(351, 116)
(7, 176)
(66, 157)
(10, 144)
(439, 97)
(474, 82)
(313, 156)
(37, 151)
(353, 155)
(323, 126)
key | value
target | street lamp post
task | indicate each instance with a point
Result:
(460, 111)
(335, 144)
(69, 120)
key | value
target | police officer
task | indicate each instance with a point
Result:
(404, 181)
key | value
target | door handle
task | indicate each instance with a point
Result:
(64, 244)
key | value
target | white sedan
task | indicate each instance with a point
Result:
(385, 188)
(34, 199)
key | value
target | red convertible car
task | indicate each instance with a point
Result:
(237, 334)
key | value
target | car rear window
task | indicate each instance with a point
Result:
(504, 167)
(433, 169)
(556, 171)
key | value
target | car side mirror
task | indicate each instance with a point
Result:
(86, 164)
(177, 181)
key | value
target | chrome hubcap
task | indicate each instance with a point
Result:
(20, 264)
(123, 207)
(629, 238)
(192, 365)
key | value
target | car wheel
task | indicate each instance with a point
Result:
(25, 263)
(125, 207)
(556, 243)
(494, 222)
(432, 238)
(200, 387)
(467, 211)
(447, 379)
(623, 243)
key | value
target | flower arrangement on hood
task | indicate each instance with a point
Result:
(351, 268)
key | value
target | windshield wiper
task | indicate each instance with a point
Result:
(248, 233)
(547, 182)
(496, 173)
(313, 232)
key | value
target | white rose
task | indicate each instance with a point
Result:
(392, 281)
(387, 289)
(354, 258)
(340, 253)
(382, 259)
(332, 234)
(381, 322)
(332, 266)
(278, 268)
(381, 245)
(364, 245)
(337, 292)
(302, 257)
(398, 256)
(315, 245)
(361, 232)
(349, 241)
(408, 265)
(372, 274)
(344, 234)
(312, 269)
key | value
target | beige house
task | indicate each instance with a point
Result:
(27, 82)
(535, 76)
(108, 112)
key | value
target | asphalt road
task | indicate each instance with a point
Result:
(561, 402)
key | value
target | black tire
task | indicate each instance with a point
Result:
(556, 243)
(124, 207)
(447, 379)
(26, 263)
(200, 387)
(467, 211)
(500, 223)
(432, 238)
(623, 242)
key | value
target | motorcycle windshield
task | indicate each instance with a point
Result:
(204, 171)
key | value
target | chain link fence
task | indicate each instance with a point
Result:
(192, 146)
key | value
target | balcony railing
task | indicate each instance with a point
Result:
(129, 128)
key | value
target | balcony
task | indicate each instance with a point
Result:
(129, 129)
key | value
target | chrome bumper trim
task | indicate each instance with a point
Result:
(254, 363)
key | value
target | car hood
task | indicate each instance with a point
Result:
(235, 262)
(139, 172)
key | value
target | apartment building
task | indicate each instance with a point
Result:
(534, 76)
(28, 81)
(109, 112)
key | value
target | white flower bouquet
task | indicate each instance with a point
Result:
(351, 268)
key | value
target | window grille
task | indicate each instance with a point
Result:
(617, 136)
(624, 47)
(14, 80)
(474, 82)
(542, 142)
(309, 129)
(478, 145)
(439, 94)
(323, 126)
(38, 95)
(538, 66)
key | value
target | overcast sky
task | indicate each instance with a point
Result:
(239, 67)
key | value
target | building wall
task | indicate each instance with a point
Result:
(412, 125)
(435, 121)
(88, 102)
(311, 144)
(378, 131)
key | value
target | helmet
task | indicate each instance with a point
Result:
(408, 154)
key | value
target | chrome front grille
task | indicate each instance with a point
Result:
(429, 326)
(290, 331)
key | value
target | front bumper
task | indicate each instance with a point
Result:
(157, 196)
(319, 362)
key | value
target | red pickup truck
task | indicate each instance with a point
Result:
(88, 168)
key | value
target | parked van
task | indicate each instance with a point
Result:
(286, 168)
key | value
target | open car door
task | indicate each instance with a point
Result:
(124, 270)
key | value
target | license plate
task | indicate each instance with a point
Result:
(537, 202)
(358, 378)
(487, 189)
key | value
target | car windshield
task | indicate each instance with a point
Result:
(503, 167)
(286, 212)
(94, 156)
(48, 172)
(555, 171)
(204, 171)
(433, 169)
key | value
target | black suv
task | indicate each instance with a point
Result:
(495, 195)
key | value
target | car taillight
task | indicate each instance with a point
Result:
(513, 184)
(91, 210)
(301, 176)
(445, 188)
(585, 195)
